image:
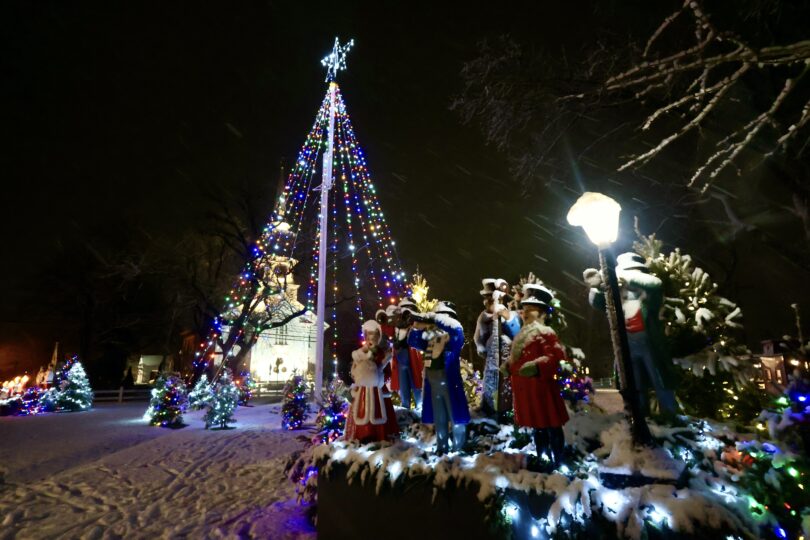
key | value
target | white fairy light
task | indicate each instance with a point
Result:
(336, 60)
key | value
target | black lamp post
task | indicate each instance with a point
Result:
(598, 214)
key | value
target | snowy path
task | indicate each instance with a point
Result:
(135, 481)
(609, 399)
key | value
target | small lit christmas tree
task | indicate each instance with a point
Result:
(295, 408)
(419, 293)
(74, 392)
(247, 386)
(577, 386)
(201, 394)
(223, 403)
(168, 403)
(473, 384)
(331, 419)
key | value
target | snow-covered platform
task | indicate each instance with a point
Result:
(402, 490)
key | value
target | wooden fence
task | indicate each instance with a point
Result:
(121, 395)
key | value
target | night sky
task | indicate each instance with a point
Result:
(119, 118)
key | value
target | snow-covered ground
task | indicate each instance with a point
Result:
(106, 474)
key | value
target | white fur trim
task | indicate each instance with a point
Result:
(446, 320)
(527, 334)
(371, 325)
(370, 411)
(365, 371)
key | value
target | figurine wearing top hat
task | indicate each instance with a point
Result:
(406, 364)
(494, 331)
(533, 365)
(642, 297)
(441, 337)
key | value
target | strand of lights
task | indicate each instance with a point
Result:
(375, 263)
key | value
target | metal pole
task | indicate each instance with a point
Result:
(621, 350)
(326, 186)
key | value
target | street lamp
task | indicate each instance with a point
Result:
(598, 214)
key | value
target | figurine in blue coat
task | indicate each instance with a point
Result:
(440, 336)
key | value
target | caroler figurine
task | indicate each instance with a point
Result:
(441, 337)
(533, 365)
(372, 413)
(494, 330)
(642, 295)
(406, 365)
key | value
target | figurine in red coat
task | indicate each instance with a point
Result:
(407, 364)
(372, 414)
(533, 365)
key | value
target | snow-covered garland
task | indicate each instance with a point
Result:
(714, 494)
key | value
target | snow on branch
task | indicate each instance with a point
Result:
(710, 68)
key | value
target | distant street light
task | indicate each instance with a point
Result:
(598, 214)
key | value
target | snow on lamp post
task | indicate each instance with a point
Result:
(598, 214)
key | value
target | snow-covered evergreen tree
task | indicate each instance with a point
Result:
(702, 328)
(701, 325)
(169, 401)
(224, 400)
(74, 392)
(201, 394)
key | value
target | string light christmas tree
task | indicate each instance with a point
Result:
(352, 267)
(295, 406)
(61, 373)
(331, 419)
(223, 402)
(168, 402)
(247, 386)
(201, 394)
(75, 393)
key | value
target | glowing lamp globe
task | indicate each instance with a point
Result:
(598, 214)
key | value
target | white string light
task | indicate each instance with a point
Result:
(336, 60)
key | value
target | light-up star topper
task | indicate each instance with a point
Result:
(336, 60)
